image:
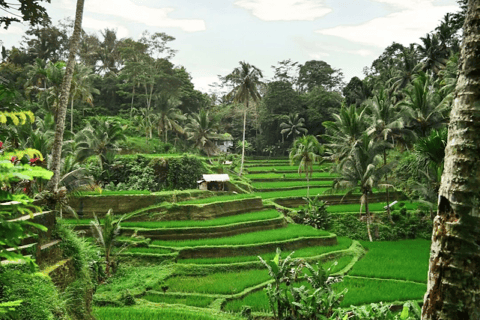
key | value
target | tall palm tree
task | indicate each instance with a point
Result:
(423, 106)
(305, 152)
(453, 277)
(65, 93)
(362, 168)
(201, 130)
(82, 88)
(385, 122)
(343, 133)
(433, 53)
(99, 138)
(294, 126)
(168, 115)
(245, 79)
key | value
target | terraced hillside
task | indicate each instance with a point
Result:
(202, 253)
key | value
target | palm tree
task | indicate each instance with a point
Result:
(245, 79)
(423, 106)
(82, 88)
(99, 138)
(408, 67)
(453, 282)
(106, 233)
(65, 93)
(433, 53)
(294, 126)
(385, 121)
(168, 115)
(201, 130)
(362, 168)
(306, 152)
(343, 133)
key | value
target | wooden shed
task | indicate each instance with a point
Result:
(213, 182)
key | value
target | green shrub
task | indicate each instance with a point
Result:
(40, 299)
(184, 172)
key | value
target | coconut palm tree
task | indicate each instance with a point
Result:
(65, 93)
(167, 115)
(423, 106)
(305, 152)
(385, 122)
(453, 282)
(201, 130)
(81, 88)
(246, 80)
(343, 133)
(363, 169)
(294, 126)
(99, 138)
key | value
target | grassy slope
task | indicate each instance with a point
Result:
(291, 232)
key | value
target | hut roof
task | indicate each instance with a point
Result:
(216, 177)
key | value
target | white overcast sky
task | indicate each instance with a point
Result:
(212, 36)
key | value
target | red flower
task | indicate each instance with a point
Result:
(14, 158)
(1, 144)
(33, 160)
(24, 190)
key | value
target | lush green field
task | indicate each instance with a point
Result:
(293, 231)
(220, 198)
(146, 313)
(378, 206)
(405, 260)
(188, 300)
(298, 193)
(279, 176)
(366, 290)
(218, 283)
(245, 217)
(283, 168)
(360, 291)
(343, 243)
(111, 193)
(290, 184)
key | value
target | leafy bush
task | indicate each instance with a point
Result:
(314, 214)
(184, 172)
(40, 299)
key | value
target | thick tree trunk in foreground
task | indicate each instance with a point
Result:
(64, 94)
(454, 273)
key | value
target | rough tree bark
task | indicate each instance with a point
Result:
(64, 94)
(454, 273)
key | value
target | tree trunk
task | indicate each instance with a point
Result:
(244, 129)
(367, 211)
(453, 290)
(388, 192)
(71, 116)
(64, 94)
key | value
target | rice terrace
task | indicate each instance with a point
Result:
(130, 188)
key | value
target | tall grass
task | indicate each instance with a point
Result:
(343, 243)
(404, 259)
(219, 283)
(291, 232)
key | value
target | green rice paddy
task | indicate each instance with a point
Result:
(280, 168)
(403, 260)
(343, 243)
(188, 300)
(293, 231)
(155, 313)
(378, 206)
(222, 198)
(219, 283)
(293, 175)
(290, 184)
